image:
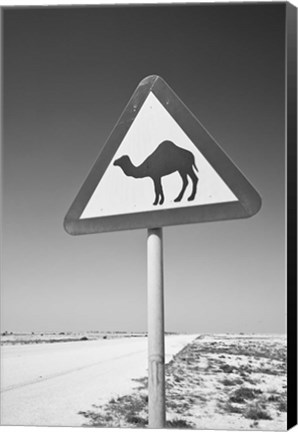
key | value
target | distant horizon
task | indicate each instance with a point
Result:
(134, 331)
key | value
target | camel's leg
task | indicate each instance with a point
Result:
(184, 185)
(158, 192)
(162, 197)
(195, 180)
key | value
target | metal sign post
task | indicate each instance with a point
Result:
(156, 351)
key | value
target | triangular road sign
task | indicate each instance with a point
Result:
(159, 167)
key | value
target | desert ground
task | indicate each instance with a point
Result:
(50, 384)
(229, 381)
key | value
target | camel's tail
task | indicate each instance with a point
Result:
(194, 165)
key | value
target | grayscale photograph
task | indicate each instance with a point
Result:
(144, 235)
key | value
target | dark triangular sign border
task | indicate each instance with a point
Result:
(249, 200)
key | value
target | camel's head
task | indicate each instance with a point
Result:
(122, 161)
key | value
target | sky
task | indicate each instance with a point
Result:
(68, 74)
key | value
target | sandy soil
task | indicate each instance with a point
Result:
(49, 384)
(225, 382)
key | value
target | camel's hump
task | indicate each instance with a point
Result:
(169, 147)
(168, 144)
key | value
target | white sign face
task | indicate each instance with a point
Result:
(156, 167)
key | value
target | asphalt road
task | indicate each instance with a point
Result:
(48, 384)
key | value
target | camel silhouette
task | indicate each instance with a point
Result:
(166, 159)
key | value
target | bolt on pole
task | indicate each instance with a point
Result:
(156, 351)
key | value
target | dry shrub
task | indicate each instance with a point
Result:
(233, 409)
(179, 424)
(243, 394)
(136, 420)
(256, 412)
(282, 406)
(231, 382)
